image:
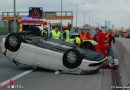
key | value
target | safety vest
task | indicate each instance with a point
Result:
(96, 45)
(67, 38)
(107, 37)
(92, 41)
(89, 36)
(55, 35)
(71, 41)
(83, 36)
(76, 41)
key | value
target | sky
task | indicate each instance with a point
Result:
(93, 12)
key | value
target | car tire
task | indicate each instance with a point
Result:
(72, 59)
(13, 42)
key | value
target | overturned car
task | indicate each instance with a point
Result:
(39, 51)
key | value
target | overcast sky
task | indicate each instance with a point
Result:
(116, 11)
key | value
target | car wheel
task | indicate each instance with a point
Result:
(13, 42)
(72, 59)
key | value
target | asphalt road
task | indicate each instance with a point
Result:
(41, 79)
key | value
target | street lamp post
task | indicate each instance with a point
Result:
(76, 13)
(14, 7)
(84, 18)
(76, 16)
(14, 16)
(89, 19)
(61, 15)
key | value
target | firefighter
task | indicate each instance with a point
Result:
(55, 33)
(77, 41)
(66, 34)
(102, 41)
(88, 35)
(66, 37)
(111, 38)
(82, 35)
(110, 63)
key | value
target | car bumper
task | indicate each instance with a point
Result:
(88, 65)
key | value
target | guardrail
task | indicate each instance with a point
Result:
(122, 51)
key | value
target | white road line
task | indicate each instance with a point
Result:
(16, 77)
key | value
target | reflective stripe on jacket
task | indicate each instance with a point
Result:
(93, 42)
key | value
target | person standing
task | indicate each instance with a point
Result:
(55, 33)
(88, 35)
(66, 34)
(110, 38)
(102, 41)
(82, 35)
(66, 37)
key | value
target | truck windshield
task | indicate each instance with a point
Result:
(27, 27)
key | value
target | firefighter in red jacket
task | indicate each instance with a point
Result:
(88, 36)
(102, 41)
(110, 38)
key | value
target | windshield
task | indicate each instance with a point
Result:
(27, 27)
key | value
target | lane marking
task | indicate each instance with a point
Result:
(16, 77)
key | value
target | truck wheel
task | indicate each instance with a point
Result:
(13, 42)
(45, 33)
(72, 59)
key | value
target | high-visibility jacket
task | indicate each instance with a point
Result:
(95, 44)
(55, 35)
(76, 41)
(71, 41)
(88, 36)
(67, 38)
(92, 41)
(102, 41)
(82, 36)
(110, 38)
(107, 37)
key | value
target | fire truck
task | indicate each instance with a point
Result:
(28, 25)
